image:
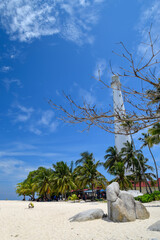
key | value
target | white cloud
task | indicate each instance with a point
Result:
(14, 169)
(25, 109)
(149, 16)
(35, 130)
(27, 19)
(5, 69)
(8, 82)
(87, 96)
(47, 121)
(100, 68)
(22, 146)
(9, 166)
(24, 113)
(8, 153)
(37, 122)
(53, 126)
(57, 92)
(46, 117)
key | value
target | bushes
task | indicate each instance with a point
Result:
(73, 197)
(30, 205)
(155, 196)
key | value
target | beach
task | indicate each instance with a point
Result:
(50, 221)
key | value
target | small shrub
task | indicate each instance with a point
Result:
(73, 197)
(31, 205)
(149, 197)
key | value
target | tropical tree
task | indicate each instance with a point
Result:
(149, 143)
(154, 96)
(31, 184)
(42, 182)
(137, 172)
(128, 155)
(62, 178)
(118, 169)
(155, 134)
(22, 189)
(87, 173)
(128, 124)
(111, 157)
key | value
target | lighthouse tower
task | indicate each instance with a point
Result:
(120, 139)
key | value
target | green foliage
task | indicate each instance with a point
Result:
(87, 174)
(31, 205)
(73, 197)
(99, 200)
(155, 196)
(129, 159)
(118, 170)
(62, 178)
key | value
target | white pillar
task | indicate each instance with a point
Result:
(120, 139)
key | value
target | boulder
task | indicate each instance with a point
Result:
(141, 211)
(129, 205)
(135, 193)
(113, 191)
(155, 227)
(122, 206)
(88, 215)
(118, 211)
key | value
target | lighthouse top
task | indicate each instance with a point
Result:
(115, 82)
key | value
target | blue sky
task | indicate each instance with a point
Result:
(54, 46)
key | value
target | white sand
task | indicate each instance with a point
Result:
(49, 221)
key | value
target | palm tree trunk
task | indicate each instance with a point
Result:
(140, 165)
(134, 180)
(146, 188)
(93, 191)
(140, 186)
(155, 167)
(32, 197)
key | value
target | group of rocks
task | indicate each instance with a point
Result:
(122, 207)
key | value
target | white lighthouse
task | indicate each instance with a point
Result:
(119, 108)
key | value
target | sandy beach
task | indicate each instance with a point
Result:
(49, 221)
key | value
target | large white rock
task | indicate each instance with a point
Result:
(135, 193)
(155, 227)
(129, 205)
(113, 191)
(122, 206)
(118, 213)
(88, 215)
(141, 211)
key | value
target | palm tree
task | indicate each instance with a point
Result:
(42, 181)
(22, 189)
(32, 184)
(128, 155)
(154, 96)
(111, 157)
(118, 169)
(85, 157)
(128, 124)
(62, 178)
(87, 173)
(138, 174)
(129, 158)
(155, 134)
(147, 142)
